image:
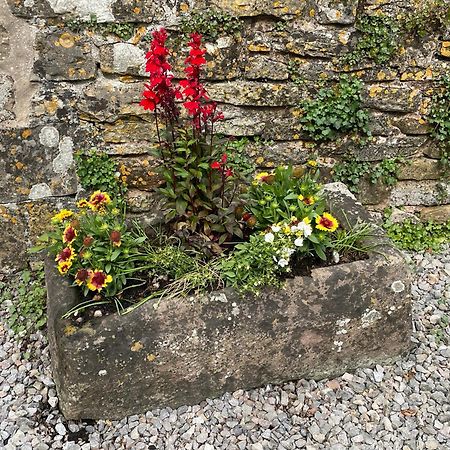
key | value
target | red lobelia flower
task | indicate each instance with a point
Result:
(160, 91)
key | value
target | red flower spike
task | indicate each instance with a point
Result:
(215, 165)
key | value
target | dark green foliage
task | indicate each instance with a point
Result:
(410, 235)
(196, 196)
(98, 171)
(351, 172)
(439, 119)
(211, 23)
(124, 31)
(335, 111)
(377, 41)
(238, 159)
(429, 17)
(25, 301)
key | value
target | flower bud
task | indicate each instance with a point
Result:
(87, 241)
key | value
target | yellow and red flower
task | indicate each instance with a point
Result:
(82, 276)
(309, 200)
(82, 203)
(98, 280)
(67, 254)
(64, 266)
(114, 237)
(62, 215)
(326, 222)
(99, 200)
(69, 234)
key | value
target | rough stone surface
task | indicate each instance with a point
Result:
(348, 316)
(436, 213)
(64, 56)
(13, 239)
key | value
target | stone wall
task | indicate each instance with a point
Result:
(62, 90)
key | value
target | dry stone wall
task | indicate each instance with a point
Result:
(66, 85)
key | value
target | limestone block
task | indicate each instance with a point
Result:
(64, 56)
(436, 213)
(421, 169)
(416, 193)
(13, 240)
(4, 43)
(142, 172)
(36, 163)
(6, 98)
(336, 12)
(392, 97)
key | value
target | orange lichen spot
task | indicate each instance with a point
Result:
(126, 79)
(26, 133)
(419, 75)
(406, 76)
(137, 346)
(259, 160)
(312, 12)
(374, 90)
(258, 48)
(18, 180)
(66, 40)
(150, 357)
(69, 330)
(184, 7)
(381, 75)
(71, 72)
(51, 105)
(137, 10)
(445, 49)
(429, 73)
(20, 165)
(343, 37)
(23, 190)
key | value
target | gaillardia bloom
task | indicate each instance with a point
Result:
(82, 203)
(82, 276)
(98, 280)
(66, 254)
(326, 222)
(69, 234)
(114, 237)
(99, 199)
(64, 266)
(62, 215)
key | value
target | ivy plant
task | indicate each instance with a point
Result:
(124, 31)
(211, 23)
(439, 119)
(98, 171)
(430, 16)
(25, 302)
(377, 41)
(351, 172)
(410, 235)
(335, 110)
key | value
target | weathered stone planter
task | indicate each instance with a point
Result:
(338, 319)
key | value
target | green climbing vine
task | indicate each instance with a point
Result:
(335, 111)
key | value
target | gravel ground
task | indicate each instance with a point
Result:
(405, 406)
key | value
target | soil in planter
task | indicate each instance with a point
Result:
(302, 267)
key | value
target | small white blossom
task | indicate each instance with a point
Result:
(269, 237)
(306, 228)
(288, 251)
(283, 262)
(276, 228)
(336, 256)
(294, 228)
(298, 242)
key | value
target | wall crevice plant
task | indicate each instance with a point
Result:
(335, 111)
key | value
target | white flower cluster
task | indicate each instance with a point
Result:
(293, 233)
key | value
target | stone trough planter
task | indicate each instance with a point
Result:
(338, 319)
